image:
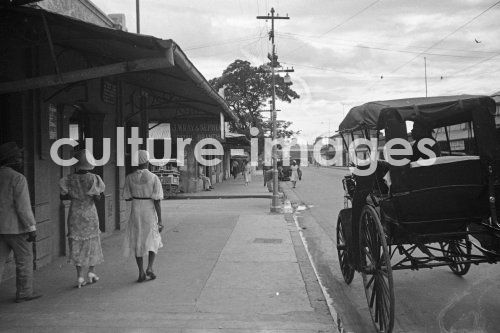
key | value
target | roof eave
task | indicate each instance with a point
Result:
(181, 60)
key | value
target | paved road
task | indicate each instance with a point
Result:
(426, 301)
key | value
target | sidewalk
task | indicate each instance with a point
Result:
(233, 188)
(227, 266)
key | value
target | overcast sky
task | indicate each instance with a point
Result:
(344, 52)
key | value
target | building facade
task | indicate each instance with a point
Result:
(62, 77)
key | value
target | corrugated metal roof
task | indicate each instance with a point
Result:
(161, 131)
(113, 47)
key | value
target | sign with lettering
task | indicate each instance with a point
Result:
(52, 122)
(108, 91)
(203, 128)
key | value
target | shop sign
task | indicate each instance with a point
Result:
(52, 122)
(108, 91)
(196, 129)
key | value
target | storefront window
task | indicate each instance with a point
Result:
(74, 132)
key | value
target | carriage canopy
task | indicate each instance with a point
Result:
(436, 111)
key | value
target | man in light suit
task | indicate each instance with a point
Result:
(17, 223)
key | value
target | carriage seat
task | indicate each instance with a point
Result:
(449, 189)
(447, 159)
(458, 168)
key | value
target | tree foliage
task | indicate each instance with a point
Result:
(247, 90)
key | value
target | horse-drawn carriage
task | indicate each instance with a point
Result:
(419, 215)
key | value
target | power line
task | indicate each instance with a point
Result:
(222, 42)
(290, 35)
(320, 68)
(448, 35)
(350, 17)
(258, 39)
(411, 52)
(341, 23)
(369, 76)
(474, 65)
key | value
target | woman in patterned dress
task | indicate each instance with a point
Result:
(142, 238)
(82, 188)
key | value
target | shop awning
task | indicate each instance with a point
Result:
(236, 141)
(153, 62)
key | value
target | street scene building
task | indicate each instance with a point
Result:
(283, 167)
(70, 91)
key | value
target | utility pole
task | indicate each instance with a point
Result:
(275, 203)
(425, 71)
(138, 16)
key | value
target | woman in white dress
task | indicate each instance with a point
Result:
(247, 173)
(295, 173)
(144, 189)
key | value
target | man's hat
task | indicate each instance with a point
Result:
(9, 150)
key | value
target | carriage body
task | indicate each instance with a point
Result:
(413, 216)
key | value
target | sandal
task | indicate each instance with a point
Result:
(93, 278)
(142, 277)
(81, 282)
(151, 275)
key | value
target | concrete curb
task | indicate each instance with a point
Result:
(222, 196)
(288, 194)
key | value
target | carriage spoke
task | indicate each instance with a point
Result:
(377, 308)
(343, 253)
(372, 299)
(377, 277)
(369, 256)
(457, 251)
(370, 281)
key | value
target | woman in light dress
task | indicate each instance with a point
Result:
(295, 173)
(82, 188)
(247, 173)
(142, 238)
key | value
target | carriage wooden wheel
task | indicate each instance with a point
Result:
(343, 254)
(376, 270)
(458, 251)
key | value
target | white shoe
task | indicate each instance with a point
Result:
(93, 278)
(81, 282)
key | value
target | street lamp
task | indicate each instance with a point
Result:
(287, 79)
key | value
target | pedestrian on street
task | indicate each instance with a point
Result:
(264, 172)
(295, 173)
(83, 188)
(207, 183)
(247, 173)
(234, 168)
(268, 178)
(143, 238)
(17, 222)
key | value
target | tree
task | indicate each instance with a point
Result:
(247, 90)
